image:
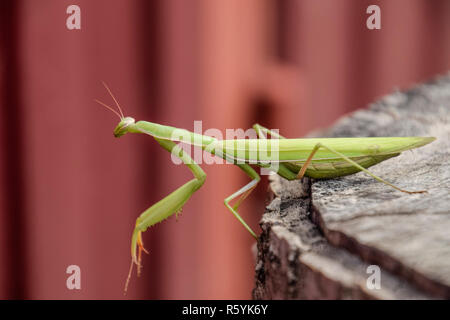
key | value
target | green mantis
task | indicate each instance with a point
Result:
(318, 158)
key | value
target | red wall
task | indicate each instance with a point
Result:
(70, 192)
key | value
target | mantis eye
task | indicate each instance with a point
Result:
(127, 121)
(121, 128)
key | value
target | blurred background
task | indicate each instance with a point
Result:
(70, 192)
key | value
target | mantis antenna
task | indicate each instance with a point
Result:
(115, 100)
(108, 107)
(121, 116)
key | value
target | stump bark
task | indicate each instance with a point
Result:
(320, 236)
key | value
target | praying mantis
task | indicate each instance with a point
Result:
(318, 158)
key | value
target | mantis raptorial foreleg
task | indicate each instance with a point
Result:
(343, 157)
(170, 204)
(242, 194)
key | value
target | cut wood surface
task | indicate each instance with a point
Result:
(320, 236)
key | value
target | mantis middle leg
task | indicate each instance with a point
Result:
(260, 130)
(242, 194)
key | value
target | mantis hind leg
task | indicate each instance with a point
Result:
(166, 207)
(242, 194)
(343, 157)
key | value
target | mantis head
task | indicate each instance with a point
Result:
(125, 122)
(123, 125)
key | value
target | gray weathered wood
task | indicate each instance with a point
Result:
(319, 237)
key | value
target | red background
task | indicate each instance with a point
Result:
(70, 192)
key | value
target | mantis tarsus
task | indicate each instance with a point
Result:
(318, 158)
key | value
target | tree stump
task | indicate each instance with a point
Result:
(320, 236)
